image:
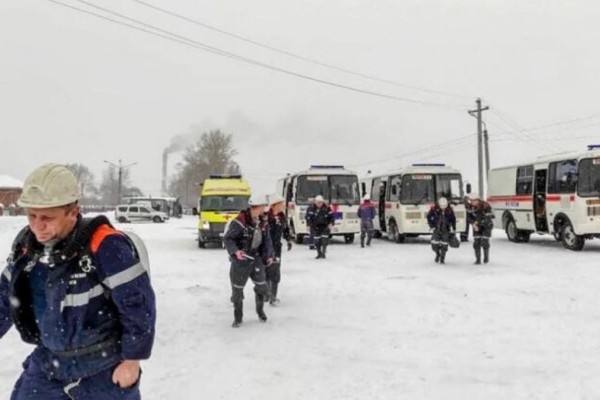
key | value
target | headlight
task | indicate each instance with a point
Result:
(205, 225)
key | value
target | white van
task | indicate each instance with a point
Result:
(138, 212)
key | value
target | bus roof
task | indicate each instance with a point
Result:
(417, 169)
(554, 157)
(224, 186)
(325, 170)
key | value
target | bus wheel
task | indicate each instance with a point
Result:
(299, 238)
(349, 238)
(201, 244)
(557, 236)
(122, 220)
(570, 239)
(377, 234)
(393, 233)
(512, 233)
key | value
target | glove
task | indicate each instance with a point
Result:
(289, 245)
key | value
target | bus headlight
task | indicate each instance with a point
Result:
(205, 225)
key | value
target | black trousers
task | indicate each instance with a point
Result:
(239, 274)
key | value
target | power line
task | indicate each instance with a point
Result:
(521, 131)
(165, 34)
(562, 123)
(296, 56)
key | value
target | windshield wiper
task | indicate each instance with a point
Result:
(421, 199)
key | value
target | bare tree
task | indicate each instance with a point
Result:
(85, 177)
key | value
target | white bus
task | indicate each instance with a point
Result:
(337, 185)
(557, 195)
(403, 198)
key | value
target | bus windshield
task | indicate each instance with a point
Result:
(223, 203)
(417, 189)
(450, 187)
(589, 177)
(342, 189)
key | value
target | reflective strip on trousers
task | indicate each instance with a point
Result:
(70, 387)
(237, 286)
(260, 283)
(481, 237)
(125, 276)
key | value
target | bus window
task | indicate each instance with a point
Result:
(563, 177)
(589, 177)
(376, 190)
(450, 187)
(395, 185)
(417, 189)
(524, 180)
(223, 203)
(310, 186)
(344, 189)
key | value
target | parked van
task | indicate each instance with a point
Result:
(138, 212)
(403, 198)
(222, 197)
(557, 195)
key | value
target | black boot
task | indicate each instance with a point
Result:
(268, 295)
(437, 255)
(362, 240)
(259, 308)
(238, 314)
(477, 255)
(369, 237)
(274, 300)
(486, 256)
(319, 246)
(324, 249)
(442, 257)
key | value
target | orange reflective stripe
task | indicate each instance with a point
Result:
(99, 235)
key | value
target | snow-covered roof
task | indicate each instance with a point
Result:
(8, 182)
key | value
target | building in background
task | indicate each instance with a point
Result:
(10, 191)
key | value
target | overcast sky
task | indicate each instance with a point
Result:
(74, 88)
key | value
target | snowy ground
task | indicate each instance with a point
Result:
(378, 323)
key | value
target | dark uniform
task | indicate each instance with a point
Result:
(480, 218)
(443, 223)
(252, 237)
(278, 229)
(464, 236)
(319, 219)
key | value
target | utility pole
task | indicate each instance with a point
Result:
(120, 168)
(477, 114)
(486, 147)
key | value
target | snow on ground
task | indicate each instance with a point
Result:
(378, 323)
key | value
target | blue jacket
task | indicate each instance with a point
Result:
(366, 211)
(319, 217)
(97, 314)
(278, 229)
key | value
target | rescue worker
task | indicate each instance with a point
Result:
(79, 293)
(366, 213)
(464, 236)
(278, 229)
(319, 218)
(480, 217)
(249, 245)
(443, 222)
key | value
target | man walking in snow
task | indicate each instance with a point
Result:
(366, 213)
(443, 222)
(319, 218)
(78, 291)
(278, 229)
(249, 245)
(480, 217)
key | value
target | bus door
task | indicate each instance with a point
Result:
(539, 201)
(381, 199)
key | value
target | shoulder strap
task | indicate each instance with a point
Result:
(20, 243)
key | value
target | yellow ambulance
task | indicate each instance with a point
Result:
(222, 197)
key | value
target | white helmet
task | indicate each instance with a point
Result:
(257, 200)
(51, 185)
(274, 199)
(443, 202)
(366, 197)
(319, 198)
(474, 196)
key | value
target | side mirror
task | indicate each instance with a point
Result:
(195, 211)
(469, 188)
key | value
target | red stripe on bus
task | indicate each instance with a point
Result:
(510, 198)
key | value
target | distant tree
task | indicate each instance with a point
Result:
(109, 187)
(87, 186)
(213, 153)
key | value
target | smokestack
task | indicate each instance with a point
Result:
(165, 159)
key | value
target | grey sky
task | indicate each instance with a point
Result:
(77, 89)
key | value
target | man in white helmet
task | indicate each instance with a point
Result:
(76, 290)
(250, 249)
(319, 218)
(443, 222)
(278, 229)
